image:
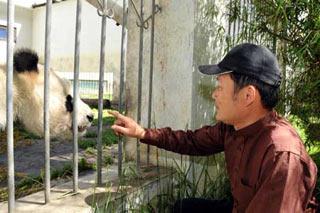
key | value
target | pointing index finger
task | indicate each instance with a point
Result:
(117, 115)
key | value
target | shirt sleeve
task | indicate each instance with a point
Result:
(204, 141)
(286, 185)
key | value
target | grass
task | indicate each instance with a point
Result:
(24, 134)
(108, 160)
(96, 96)
(91, 134)
(87, 142)
(90, 151)
(108, 139)
(107, 119)
(21, 138)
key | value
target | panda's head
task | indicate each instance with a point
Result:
(29, 98)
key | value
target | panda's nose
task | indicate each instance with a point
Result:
(90, 118)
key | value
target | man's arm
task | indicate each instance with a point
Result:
(205, 141)
(286, 185)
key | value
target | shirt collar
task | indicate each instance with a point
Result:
(252, 129)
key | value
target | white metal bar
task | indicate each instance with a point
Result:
(151, 75)
(140, 71)
(100, 102)
(10, 44)
(46, 116)
(76, 96)
(122, 74)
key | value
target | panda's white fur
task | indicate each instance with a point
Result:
(28, 90)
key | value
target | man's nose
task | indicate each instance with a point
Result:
(214, 94)
(90, 118)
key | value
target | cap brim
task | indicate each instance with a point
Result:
(212, 70)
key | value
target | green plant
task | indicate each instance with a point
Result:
(316, 158)
(108, 160)
(29, 181)
(23, 133)
(66, 170)
(129, 172)
(90, 151)
(200, 184)
(87, 142)
(109, 137)
(85, 165)
(91, 134)
(192, 179)
(107, 119)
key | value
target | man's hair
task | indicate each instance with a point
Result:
(269, 94)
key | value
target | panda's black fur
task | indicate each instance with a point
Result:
(69, 103)
(25, 60)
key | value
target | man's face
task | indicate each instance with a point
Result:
(228, 107)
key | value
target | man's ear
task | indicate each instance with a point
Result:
(250, 95)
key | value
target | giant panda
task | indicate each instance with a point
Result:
(28, 98)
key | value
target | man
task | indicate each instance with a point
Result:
(268, 166)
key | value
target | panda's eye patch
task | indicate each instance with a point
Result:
(69, 103)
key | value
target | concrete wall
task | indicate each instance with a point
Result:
(173, 62)
(185, 37)
(23, 23)
(209, 46)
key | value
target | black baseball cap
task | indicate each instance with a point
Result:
(248, 59)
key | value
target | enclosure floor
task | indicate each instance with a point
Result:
(63, 200)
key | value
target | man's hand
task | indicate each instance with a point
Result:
(126, 126)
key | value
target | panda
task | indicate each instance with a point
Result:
(28, 98)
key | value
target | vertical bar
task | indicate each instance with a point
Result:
(10, 40)
(46, 116)
(239, 22)
(229, 26)
(151, 75)
(234, 26)
(122, 72)
(76, 96)
(100, 102)
(251, 15)
(246, 6)
(140, 82)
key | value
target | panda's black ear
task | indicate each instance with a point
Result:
(25, 60)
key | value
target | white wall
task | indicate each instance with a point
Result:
(63, 39)
(23, 23)
(63, 35)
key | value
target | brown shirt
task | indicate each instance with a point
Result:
(268, 166)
